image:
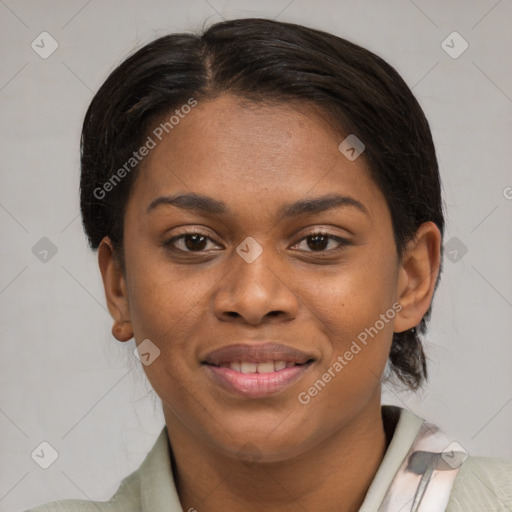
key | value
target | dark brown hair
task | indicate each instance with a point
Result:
(268, 61)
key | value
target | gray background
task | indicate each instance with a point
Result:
(67, 381)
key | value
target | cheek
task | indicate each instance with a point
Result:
(162, 301)
(354, 313)
(355, 304)
(166, 309)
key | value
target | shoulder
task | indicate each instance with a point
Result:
(126, 499)
(483, 483)
(70, 506)
(119, 503)
(150, 487)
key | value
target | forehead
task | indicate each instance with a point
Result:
(246, 152)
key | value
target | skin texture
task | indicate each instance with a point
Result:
(318, 456)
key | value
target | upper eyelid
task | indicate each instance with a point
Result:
(315, 229)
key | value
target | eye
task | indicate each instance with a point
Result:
(190, 241)
(195, 241)
(319, 242)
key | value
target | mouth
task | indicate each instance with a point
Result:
(249, 367)
(256, 371)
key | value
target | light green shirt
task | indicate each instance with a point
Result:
(482, 484)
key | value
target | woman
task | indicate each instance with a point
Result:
(266, 205)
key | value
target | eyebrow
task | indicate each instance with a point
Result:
(205, 204)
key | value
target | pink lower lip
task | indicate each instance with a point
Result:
(256, 385)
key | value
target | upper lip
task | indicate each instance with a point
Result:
(256, 353)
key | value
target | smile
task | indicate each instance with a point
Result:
(251, 367)
(256, 380)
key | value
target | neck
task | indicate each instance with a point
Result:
(339, 470)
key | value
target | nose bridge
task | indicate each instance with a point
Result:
(256, 266)
(253, 288)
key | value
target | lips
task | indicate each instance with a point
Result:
(256, 371)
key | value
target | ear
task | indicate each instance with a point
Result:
(417, 276)
(115, 290)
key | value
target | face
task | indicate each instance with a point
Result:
(267, 282)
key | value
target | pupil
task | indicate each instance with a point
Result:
(194, 241)
(316, 245)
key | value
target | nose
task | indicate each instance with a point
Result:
(256, 292)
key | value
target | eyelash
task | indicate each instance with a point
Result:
(342, 241)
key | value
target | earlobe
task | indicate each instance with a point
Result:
(122, 331)
(115, 290)
(417, 277)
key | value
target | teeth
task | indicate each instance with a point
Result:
(248, 367)
(279, 365)
(235, 365)
(266, 367)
